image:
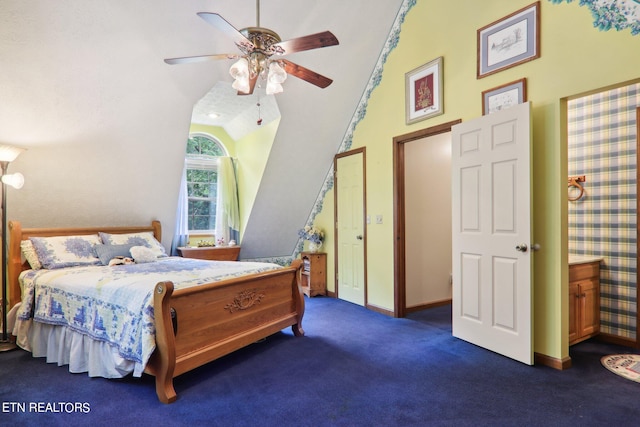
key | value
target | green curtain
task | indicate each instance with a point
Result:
(227, 209)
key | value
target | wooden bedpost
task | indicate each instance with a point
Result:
(157, 230)
(165, 353)
(299, 298)
(14, 263)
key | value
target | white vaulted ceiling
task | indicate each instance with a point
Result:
(314, 120)
(83, 81)
(238, 115)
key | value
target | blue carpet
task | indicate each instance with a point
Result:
(354, 367)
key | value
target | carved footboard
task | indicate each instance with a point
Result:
(213, 320)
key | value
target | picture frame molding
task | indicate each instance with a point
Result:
(519, 85)
(488, 64)
(435, 68)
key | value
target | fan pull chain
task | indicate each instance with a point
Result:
(259, 114)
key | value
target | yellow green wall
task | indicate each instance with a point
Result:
(252, 152)
(575, 58)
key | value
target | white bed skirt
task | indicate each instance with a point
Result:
(63, 346)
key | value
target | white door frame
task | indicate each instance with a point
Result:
(399, 262)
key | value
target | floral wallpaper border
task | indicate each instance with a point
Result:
(361, 110)
(608, 14)
(616, 14)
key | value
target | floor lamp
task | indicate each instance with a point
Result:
(16, 180)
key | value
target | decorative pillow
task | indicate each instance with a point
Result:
(66, 251)
(108, 252)
(135, 239)
(142, 254)
(29, 253)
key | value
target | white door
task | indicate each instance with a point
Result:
(350, 225)
(492, 294)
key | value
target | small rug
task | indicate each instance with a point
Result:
(625, 365)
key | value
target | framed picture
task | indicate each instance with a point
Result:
(505, 96)
(424, 91)
(509, 41)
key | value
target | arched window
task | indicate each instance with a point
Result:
(202, 178)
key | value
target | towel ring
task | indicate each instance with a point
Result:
(574, 181)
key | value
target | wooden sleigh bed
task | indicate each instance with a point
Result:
(195, 325)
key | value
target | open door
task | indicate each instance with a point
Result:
(350, 205)
(491, 214)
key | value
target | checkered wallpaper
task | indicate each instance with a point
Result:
(602, 146)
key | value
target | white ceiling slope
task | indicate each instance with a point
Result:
(314, 120)
(91, 75)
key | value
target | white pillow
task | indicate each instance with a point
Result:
(137, 239)
(142, 254)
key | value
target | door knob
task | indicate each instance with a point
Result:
(522, 247)
(359, 237)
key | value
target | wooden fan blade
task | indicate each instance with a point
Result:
(229, 30)
(202, 58)
(313, 41)
(305, 74)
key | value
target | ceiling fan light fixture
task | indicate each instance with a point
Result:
(276, 73)
(273, 88)
(275, 78)
(240, 69)
(258, 45)
(240, 73)
(241, 85)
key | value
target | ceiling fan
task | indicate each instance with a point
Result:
(261, 55)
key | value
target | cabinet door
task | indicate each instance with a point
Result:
(590, 306)
(574, 310)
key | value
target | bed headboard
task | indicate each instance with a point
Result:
(16, 234)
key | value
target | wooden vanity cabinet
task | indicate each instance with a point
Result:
(584, 301)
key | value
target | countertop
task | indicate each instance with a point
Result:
(584, 259)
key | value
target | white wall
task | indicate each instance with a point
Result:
(84, 88)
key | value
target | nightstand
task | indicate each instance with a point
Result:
(314, 273)
(217, 253)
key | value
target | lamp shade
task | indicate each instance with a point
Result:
(273, 88)
(241, 84)
(240, 72)
(9, 153)
(277, 73)
(240, 69)
(15, 180)
(276, 77)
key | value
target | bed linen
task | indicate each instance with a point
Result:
(99, 319)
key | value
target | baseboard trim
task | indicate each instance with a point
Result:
(428, 305)
(380, 310)
(371, 307)
(552, 362)
(614, 339)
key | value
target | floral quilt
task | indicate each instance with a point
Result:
(115, 304)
